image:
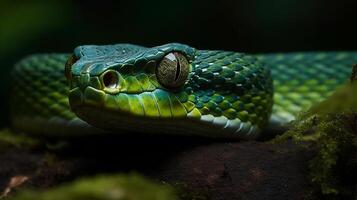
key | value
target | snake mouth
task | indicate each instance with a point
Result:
(151, 104)
(87, 96)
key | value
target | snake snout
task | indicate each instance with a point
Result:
(68, 67)
(92, 90)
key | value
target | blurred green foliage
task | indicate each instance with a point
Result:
(112, 187)
(10, 140)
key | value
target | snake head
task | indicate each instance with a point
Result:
(171, 88)
(126, 81)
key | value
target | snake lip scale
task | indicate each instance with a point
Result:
(169, 89)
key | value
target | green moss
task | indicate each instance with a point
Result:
(332, 127)
(9, 140)
(113, 187)
(336, 142)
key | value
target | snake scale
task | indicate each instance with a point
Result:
(169, 89)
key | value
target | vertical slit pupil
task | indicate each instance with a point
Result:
(178, 69)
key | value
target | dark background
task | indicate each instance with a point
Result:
(28, 27)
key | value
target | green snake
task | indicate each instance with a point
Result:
(170, 89)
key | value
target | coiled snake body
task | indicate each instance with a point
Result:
(169, 89)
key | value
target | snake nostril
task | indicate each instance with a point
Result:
(110, 79)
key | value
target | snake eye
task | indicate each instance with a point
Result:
(110, 79)
(173, 70)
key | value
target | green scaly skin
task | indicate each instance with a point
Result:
(227, 94)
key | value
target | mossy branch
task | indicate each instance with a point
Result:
(332, 127)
